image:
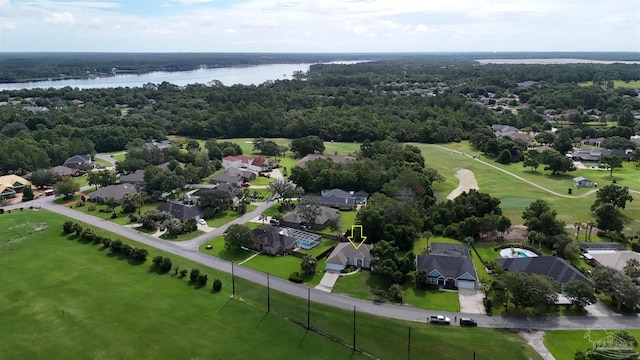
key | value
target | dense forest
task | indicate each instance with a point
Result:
(409, 99)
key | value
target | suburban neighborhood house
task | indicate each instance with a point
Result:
(62, 170)
(136, 177)
(253, 163)
(610, 254)
(10, 185)
(274, 240)
(449, 265)
(551, 266)
(181, 211)
(81, 162)
(295, 219)
(163, 144)
(340, 199)
(233, 176)
(114, 192)
(228, 189)
(345, 254)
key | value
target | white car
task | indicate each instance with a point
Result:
(202, 222)
(440, 319)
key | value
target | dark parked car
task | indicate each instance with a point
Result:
(465, 321)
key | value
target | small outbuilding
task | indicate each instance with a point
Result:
(582, 182)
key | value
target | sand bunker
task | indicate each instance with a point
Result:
(467, 182)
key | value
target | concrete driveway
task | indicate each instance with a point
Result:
(328, 281)
(471, 301)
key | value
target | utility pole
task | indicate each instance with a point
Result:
(309, 308)
(354, 328)
(233, 282)
(268, 295)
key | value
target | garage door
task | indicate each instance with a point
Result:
(463, 284)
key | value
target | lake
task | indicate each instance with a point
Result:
(551, 61)
(246, 75)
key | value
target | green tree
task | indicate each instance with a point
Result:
(214, 201)
(563, 143)
(556, 162)
(539, 217)
(504, 157)
(66, 187)
(309, 211)
(579, 293)
(421, 279)
(395, 292)
(43, 178)
(307, 145)
(612, 161)
(632, 269)
(309, 264)
(237, 236)
(609, 218)
(613, 194)
(532, 160)
(27, 194)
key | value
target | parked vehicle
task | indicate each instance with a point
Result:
(202, 222)
(274, 222)
(465, 321)
(245, 184)
(439, 320)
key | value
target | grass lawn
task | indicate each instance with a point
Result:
(563, 343)
(362, 284)
(63, 200)
(348, 218)
(261, 181)
(102, 162)
(283, 266)
(115, 310)
(325, 245)
(122, 219)
(182, 237)
(226, 216)
(218, 250)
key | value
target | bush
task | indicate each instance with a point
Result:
(126, 250)
(488, 305)
(193, 276)
(114, 215)
(92, 207)
(395, 292)
(217, 285)
(202, 279)
(67, 227)
(116, 246)
(296, 278)
(106, 242)
(635, 247)
(139, 255)
(133, 219)
(183, 272)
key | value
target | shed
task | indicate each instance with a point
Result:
(582, 182)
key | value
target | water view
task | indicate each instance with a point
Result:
(246, 75)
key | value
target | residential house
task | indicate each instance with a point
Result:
(582, 182)
(551, 266)
(116, 192)
(253, 163)
(272, 240)
(526, 84)
(626, 155)
(136, 177)
(346, 254)
(82, 162)
(233, 176)
(448, 265)
(294, 219)
(162, 144)
(501, 129)
(227, 189)
(593, 142)
(67, 171)
(338, 159)
(181, 211)
(585, 155)
(613, 259)
(514, 135)
(340, 199)
(165, 166)
(11, 185)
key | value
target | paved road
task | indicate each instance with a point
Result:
(189, 250)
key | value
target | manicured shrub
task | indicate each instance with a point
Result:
(183, 272)
(114, 215)
(202, 279)
(295, 278)
(193, 276)
(635, 247)
(217, 285)
(106, 242)
(139, 255)
(126, 250)
(67, 227)
(488, 305)
(116, 246)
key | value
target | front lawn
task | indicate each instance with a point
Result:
(362, 285)
(182, 237)
(563, 343)
(226, 216)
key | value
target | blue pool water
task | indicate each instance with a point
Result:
(522, 255)
(306, 243)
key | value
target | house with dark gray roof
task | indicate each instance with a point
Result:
(117, 192)
(82, 162)
(272, 240)
(181, 211)
(346, 254)
(136, 177)
(233, 176)
(294, 219)
(340, 199)
(67, 171)
(554, 267)
(165, 165)
(449, 265)
(162, 144)
(227, 189)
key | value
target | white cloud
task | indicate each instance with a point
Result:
(192, 2)
(61, 18)
(229, 31)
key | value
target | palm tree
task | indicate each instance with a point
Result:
(263, 217)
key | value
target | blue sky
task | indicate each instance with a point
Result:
(319, 25)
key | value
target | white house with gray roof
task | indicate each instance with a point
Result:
(345, 254)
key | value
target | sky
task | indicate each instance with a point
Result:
(319, 25)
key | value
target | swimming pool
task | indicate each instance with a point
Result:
(516, 252)
(306, 244)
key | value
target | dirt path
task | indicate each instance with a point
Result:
(535, 340)
(467, 182)
(523, 179)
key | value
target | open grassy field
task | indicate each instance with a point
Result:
(113, 309)
(616, 83)
(563, 343)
